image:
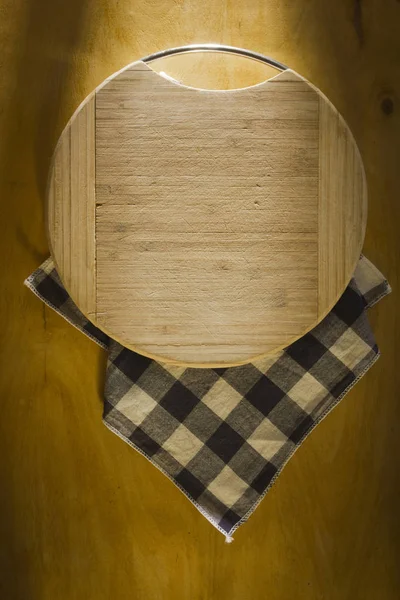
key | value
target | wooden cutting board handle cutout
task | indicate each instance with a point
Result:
(205, 227)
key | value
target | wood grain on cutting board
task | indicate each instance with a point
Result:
(216, 226)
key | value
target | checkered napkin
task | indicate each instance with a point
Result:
(224, 435)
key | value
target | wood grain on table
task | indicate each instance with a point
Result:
(82, 516)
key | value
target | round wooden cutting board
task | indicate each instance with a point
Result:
(206, 227)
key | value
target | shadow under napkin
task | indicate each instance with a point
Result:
(224, 435)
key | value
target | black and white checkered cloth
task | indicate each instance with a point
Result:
(224, 435)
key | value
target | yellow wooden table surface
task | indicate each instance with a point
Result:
(84, 517)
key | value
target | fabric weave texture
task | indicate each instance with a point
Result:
(224, 435)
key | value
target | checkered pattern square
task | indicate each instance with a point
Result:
(224, 435)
